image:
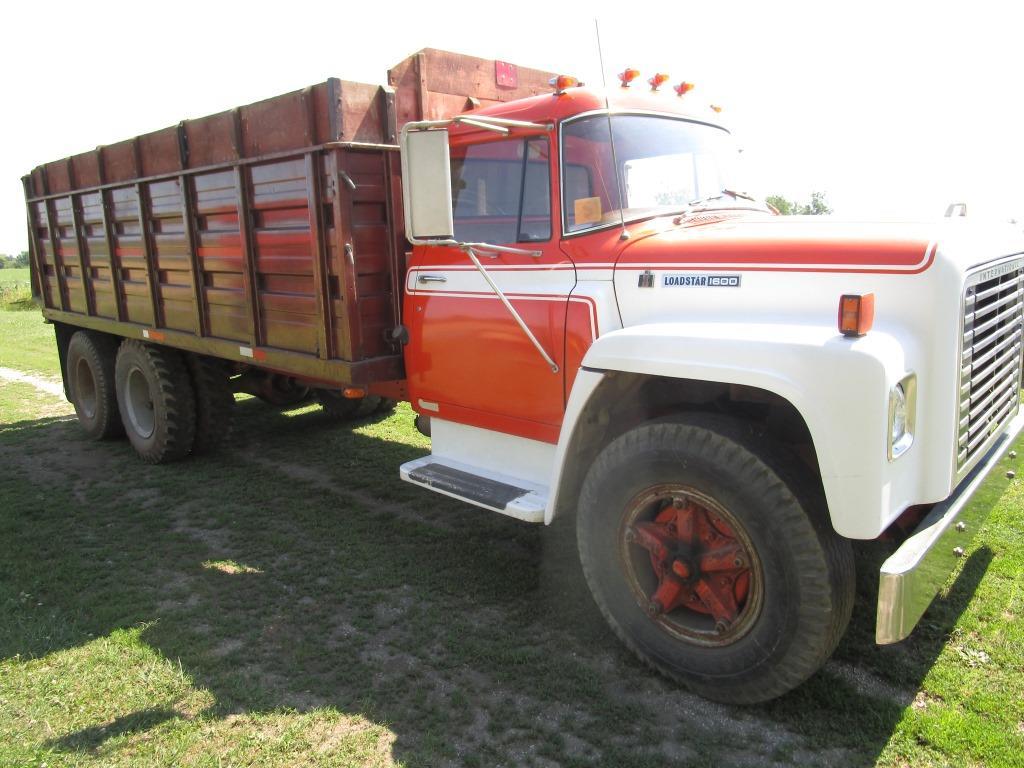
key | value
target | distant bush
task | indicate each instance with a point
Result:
(16, 296)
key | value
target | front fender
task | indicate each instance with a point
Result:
(840, 387)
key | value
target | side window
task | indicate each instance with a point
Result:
(590, 193)
(501, 191)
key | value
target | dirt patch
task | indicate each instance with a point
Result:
(49, 386)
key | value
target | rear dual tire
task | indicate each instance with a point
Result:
(156, 401)
(342, 408)
(90, 371)
(214, 399)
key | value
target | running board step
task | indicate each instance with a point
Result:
(499, 493)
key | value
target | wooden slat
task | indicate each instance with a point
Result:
(396, 240)
(421, 83)
(40, 286)
(115, 268)
(249, 277)
(325, 318)
(147, 251)
(348, 343)
(188, 219)
(57, 254)
(80, 239)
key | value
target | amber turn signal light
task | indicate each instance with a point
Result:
(658, 80)
(354, 393)
(628, 76)
(856, 313)
(563, 82)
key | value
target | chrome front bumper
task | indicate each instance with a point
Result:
(916, 571)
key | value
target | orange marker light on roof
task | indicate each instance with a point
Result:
(659, 79)
(683, 88)
(856, 313)
(563, 82)
(715, 108)
(628, 76)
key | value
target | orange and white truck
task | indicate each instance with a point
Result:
(590, 317)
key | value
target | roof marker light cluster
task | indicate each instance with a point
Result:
(561, 83)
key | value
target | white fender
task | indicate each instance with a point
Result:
(840, 386)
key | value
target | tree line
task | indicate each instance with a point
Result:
(21, 260)
(817, 206)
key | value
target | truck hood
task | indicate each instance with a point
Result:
(729, 240)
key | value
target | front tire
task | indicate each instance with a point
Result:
(712, 560)
(156, 401)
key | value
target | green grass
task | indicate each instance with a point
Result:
(28, 344)
(14, 275)
(290, 602)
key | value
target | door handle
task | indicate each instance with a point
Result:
(432, 279)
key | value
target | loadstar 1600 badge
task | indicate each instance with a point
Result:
(701, 281)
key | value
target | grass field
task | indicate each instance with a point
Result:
(291, 602)
(14, 275)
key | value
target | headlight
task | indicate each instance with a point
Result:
(899, 414)
(902, 404)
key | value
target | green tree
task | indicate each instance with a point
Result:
(818, 205)
(21, 260)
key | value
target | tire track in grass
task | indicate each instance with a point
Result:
(45, 385)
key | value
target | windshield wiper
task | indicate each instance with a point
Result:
(730, 192)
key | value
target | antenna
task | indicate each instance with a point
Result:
(611, 136)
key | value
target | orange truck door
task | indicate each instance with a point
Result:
(467, 359)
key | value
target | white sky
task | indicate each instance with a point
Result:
(892, 109)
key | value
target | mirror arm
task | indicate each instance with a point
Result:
(468, 248)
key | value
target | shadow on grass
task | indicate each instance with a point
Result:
(295, 571)
(93, 738)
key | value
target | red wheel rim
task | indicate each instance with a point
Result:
(690, 565)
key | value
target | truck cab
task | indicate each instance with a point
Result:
(724, 398)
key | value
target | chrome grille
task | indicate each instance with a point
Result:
(990, 356)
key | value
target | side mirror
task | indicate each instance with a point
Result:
(427, 185)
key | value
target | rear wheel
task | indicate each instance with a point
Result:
(90, 371)
(214, 402)
(337, 406)
(156, 401)
(282, 391)
(712, 560)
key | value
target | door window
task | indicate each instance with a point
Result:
(501, 191)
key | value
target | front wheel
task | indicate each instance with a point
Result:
(712, 561)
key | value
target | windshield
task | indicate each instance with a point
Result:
(665, 164)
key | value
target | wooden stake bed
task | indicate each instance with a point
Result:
(268, 234)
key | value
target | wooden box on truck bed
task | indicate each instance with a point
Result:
(269, 234)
